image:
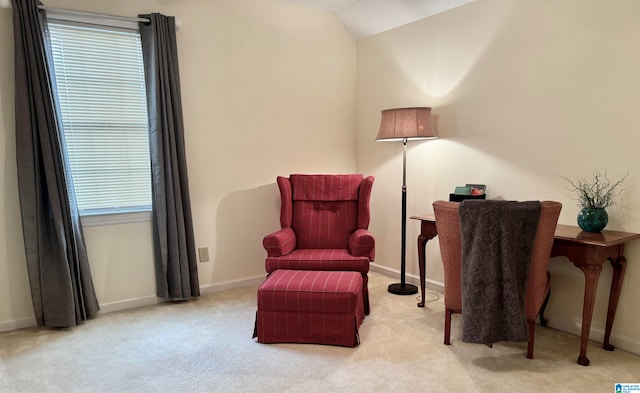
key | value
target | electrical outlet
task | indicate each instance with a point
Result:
(203, 254)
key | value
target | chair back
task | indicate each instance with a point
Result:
(538, 279)
(325, 210)
(449, 235)
(449, 238)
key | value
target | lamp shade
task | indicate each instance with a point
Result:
(406, 123)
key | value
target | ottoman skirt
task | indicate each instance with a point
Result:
(316, 307)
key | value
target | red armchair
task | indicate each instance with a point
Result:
(324, 221)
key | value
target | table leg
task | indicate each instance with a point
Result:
(591, 275)
(619, 267)
(422, 264)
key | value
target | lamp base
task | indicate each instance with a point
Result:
(399, 289)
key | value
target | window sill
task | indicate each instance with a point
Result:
(94, 220)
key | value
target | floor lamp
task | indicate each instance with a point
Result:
(403, 124)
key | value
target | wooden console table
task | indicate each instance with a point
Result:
(587, 251)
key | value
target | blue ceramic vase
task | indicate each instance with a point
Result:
(592, 219)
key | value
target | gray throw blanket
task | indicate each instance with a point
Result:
(497, 239)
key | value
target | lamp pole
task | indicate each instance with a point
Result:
(403, 288)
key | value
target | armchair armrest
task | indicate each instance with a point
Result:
(362, 243)
(280, 243)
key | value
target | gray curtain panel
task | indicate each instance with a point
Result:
(175, 255)
(61, 287)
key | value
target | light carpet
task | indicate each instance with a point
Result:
(206, 346)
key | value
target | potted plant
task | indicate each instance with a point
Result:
(594, 196)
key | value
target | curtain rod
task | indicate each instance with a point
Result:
(7, 4)
(71, 13)
(93, 14)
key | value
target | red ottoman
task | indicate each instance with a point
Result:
(316, 307)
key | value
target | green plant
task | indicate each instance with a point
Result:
(598, 192)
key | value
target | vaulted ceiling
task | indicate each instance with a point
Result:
(364, 18)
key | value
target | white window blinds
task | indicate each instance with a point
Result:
(100, 83)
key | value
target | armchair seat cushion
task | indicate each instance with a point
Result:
(319, 259)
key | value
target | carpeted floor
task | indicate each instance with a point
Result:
(206, 346)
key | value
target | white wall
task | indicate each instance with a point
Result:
(268, 89)
(523, 91)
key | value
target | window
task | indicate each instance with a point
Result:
(100, 83)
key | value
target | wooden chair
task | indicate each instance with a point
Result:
(537, 284)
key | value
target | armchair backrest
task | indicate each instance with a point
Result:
(324, 210)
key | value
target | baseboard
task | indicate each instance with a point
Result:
(16, 324)
(223, 286)
(129, 304)
(410, 278)
(204, 290)
(596, 335)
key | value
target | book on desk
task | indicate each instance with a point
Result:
(468, 191)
